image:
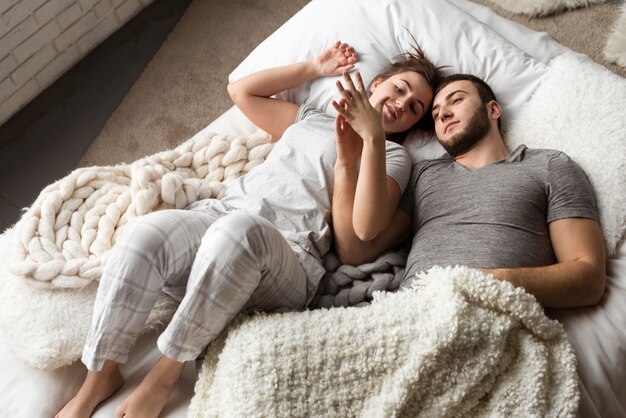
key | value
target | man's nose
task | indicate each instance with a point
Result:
(444, 113)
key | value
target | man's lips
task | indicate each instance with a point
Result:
(448, 125)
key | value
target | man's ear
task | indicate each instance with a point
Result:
(375, 83)
(494, 110)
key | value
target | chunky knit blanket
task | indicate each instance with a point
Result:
(459, 344)
(64, 238)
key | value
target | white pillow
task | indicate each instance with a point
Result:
(376, 29)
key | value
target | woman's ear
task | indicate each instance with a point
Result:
(375, 83)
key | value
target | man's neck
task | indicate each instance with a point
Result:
(488, 150)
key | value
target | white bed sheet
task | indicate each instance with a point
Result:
(30, 393)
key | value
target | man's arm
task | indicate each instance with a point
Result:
(578, 278)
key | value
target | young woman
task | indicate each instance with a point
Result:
(260, 246)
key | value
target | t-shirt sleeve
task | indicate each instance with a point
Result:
(570, 194)
(398, 164)
(407, 200)
(307, 111)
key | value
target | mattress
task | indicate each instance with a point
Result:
(28, 392)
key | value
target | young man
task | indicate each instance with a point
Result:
(525, 216)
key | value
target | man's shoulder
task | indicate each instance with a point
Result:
(543, 158)
(545, 154)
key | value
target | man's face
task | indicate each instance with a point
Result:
(461, 119)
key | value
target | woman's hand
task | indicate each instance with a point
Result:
(349, 143)
(357, 110)
(339, 58)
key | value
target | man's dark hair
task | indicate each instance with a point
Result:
(484, 91)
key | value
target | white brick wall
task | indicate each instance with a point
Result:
(41, 39)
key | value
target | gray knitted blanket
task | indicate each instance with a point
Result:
(345, 285)
(462, 344)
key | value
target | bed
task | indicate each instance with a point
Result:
(41, 328)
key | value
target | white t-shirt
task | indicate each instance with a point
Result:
(293, 188)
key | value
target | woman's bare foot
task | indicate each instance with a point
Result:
(148, 400)
(97, 387)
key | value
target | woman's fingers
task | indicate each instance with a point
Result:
(343, 109)
(359, 82)
(338, 125)
(347, 95)
(351, 94)
(348, 80)
(340, 109)
(342, 92)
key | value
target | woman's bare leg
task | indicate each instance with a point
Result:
(149, 398)
(97, 387)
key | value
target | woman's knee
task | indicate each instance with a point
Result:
(148, 232)
(237, 228)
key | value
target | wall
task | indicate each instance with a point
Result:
(41, 39)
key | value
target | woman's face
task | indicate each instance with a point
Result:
(409, 100)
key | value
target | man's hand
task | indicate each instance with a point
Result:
(337, 59)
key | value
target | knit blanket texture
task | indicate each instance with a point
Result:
(459, 344)
(64, 238)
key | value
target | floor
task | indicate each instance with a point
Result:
(45, 140)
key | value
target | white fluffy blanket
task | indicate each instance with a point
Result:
(461, 344)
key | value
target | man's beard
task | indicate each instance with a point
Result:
(477, 128)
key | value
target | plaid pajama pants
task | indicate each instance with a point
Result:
(216, 261)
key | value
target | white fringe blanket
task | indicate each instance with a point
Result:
(462, 344)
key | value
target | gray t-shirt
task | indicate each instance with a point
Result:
(293, 189)
(495, 216)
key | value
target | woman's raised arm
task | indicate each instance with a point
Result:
(377, 195)
(347, 210)
(252, 94)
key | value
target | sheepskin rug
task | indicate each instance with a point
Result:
(542, 7)
(48, 328)
(579, 109)
(615, 50)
